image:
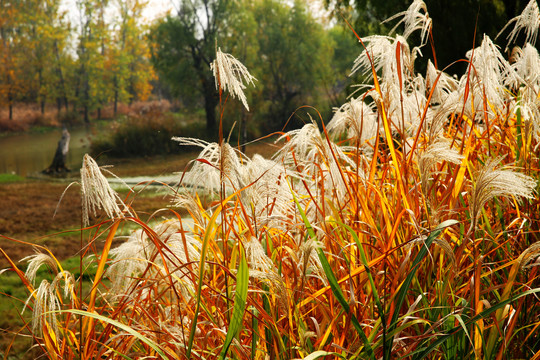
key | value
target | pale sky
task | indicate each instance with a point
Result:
(154, 9)
(158, 8)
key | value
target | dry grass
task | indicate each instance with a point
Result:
(409, 230)
(26, 116)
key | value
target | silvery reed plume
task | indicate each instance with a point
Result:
(97, 194)
(230, 75)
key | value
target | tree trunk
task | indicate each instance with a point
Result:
(210, 109)
(58, 164)
(115, 102)
(60, 74)
(115, 81)
(86, 117)
(211, 100)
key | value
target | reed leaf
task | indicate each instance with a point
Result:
(334, 285)
(242, 284)
(405, 285)
(119, 325)
(423, 353)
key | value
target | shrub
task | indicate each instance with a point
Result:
(145, 135)
(26, 116)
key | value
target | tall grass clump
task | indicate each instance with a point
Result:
(405, 227)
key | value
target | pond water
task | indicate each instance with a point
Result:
(29, 154)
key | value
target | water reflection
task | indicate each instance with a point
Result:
(29, 154)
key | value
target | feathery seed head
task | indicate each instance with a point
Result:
(230, 75)
(34, 263)
(491, 182)
(530, 255)
(45, 305)
(256, 256)
(69, 283)
(439, 151)
(445, 84)
(218, 165)
(189, 202)
(356, 118)
(529, 108)
(276, 283)
(130, 260)
(416, 17)
(491, 70)
(526, 63)
(382, 53)
(181, 250)
(309, 259)
(380, 49)
(133, 257)
(529, 20)
(97, 193)
(268, 194)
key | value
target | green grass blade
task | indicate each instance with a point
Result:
(482, 315)
(404, 288)
(363, 258)
(242, 282)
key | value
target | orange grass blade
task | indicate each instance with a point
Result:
(87, 325)
(334, 285)
(460, 177)
(207, 234)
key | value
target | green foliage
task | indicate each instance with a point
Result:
(295, 62)
(240, 298)
(338, 85)
(295, 67)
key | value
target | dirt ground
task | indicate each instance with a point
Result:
(27, 209)
(27, 215)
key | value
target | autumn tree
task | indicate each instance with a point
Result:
(46, 42)
(99, 58)
(33, 40)
(130, 54)
(10, 53)
(91, 82)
